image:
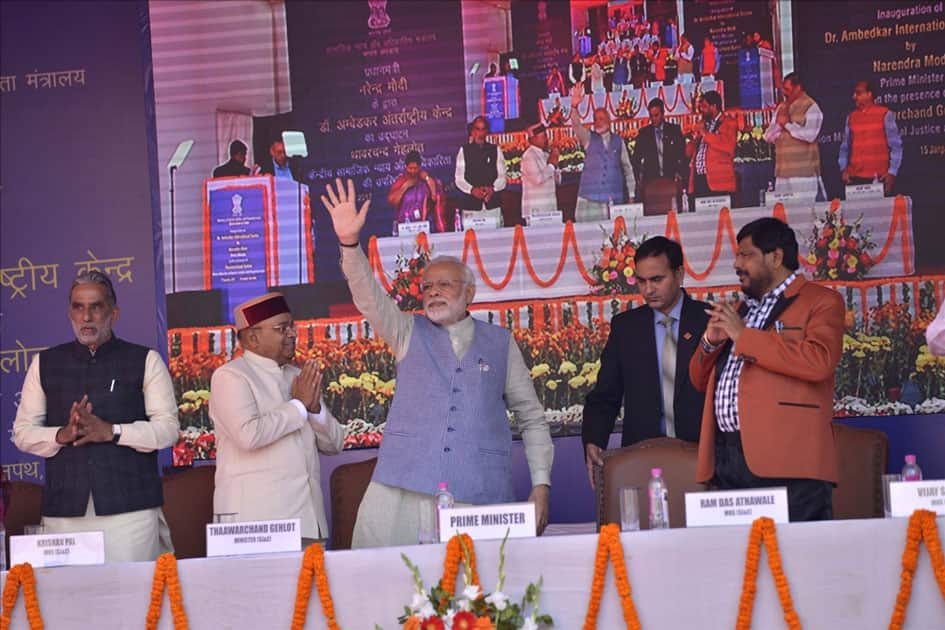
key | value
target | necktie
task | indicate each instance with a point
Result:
(659, 148)
(668, 375)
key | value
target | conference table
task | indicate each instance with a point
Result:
(842, 574)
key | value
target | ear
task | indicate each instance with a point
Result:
(115, 312)
(777, 257)
(470, 293)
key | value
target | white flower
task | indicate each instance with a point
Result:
(529, 624)
(427, 610)
(448, 618)
(499, 600)
(464, 604)
(418, 601)
(471, 592)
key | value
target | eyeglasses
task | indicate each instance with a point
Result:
(282, 329)
(442, 285)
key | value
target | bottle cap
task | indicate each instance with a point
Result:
(442, 485)
(656, 472)
(910, 459)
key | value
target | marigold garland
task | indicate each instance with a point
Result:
(21, 574)
(610, 547)
(922, 527)
(313, 565)
(454, 555)
(763, 532)
(165, 575)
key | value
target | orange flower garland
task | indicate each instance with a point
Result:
(922, 527)
(313, 564)
(21, 574)
(763, 533)
(609, 546)
(165, 575)
(454, 555)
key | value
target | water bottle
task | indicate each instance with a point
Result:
(443, 499)
(685, 201)
(911, 471)
(458, 221)
(659, 500)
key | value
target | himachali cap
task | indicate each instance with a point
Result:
(258, 309)
(537, 129)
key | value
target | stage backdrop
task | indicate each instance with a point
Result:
(77, 128)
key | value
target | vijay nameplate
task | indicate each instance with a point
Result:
(412, 228)
(905, 497)
(713, 204)
(735, 507)
(237, 539)
(55, 550)
(485, 522)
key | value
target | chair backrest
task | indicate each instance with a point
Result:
(631, 465)
(348, 484)
(188, 507)
(862, 455)
(658, 196)
(24, 506)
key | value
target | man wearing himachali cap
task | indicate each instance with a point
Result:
(269, 420)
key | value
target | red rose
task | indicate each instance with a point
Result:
(828, 232)
(851, 243)
(832, 262)
(865, 258)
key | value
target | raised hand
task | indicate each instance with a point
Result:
(346, 219)
(577, 95)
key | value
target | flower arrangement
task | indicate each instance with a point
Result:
(838, 250)
(194, 444)
(930, 371)
(750, 146)
(629, 136)
(627, 107)
(922, 527)
(408, 275)
(439, 608)
(613, 271)
(512, 152)
(570, 153)
(165, 576)
(21, 575)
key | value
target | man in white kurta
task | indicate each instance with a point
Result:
(793, 131)
(540, 174)
(270, 424)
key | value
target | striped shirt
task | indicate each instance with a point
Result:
(711, 127)
(726, 388)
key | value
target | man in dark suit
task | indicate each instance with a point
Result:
(236, 166)
(281, 166)
(660, 150)
(645, 363)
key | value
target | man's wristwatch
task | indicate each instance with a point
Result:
(116, 433)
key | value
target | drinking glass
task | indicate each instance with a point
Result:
(887, 504)
(630, 509)
(426, 533)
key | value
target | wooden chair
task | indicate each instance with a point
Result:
(188, 508)
(862, 456)
(348, 484)
(631, 465)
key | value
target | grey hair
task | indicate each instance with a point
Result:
(94, 276)
(468, 276)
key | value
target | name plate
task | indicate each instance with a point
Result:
(544, 218)
(865, 191)
(56, 550)
(482, 219)
(784, 198)
(237, 539)
(735, 507)
(713, 204)
(413, 228)
(905, 497)
(489, 522)
(626, 210)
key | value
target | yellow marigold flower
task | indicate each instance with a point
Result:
(834, 244)
(832, 273)
(567, 368)
(552, 385)
(577, 382)
(540, 370)
(812, 258)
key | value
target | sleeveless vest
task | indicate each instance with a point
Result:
(793, 157)
(869, 149)
(119, 478)
(448, 421)
(602, 178)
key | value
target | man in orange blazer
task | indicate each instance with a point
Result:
(712, 151)
(767, 365)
